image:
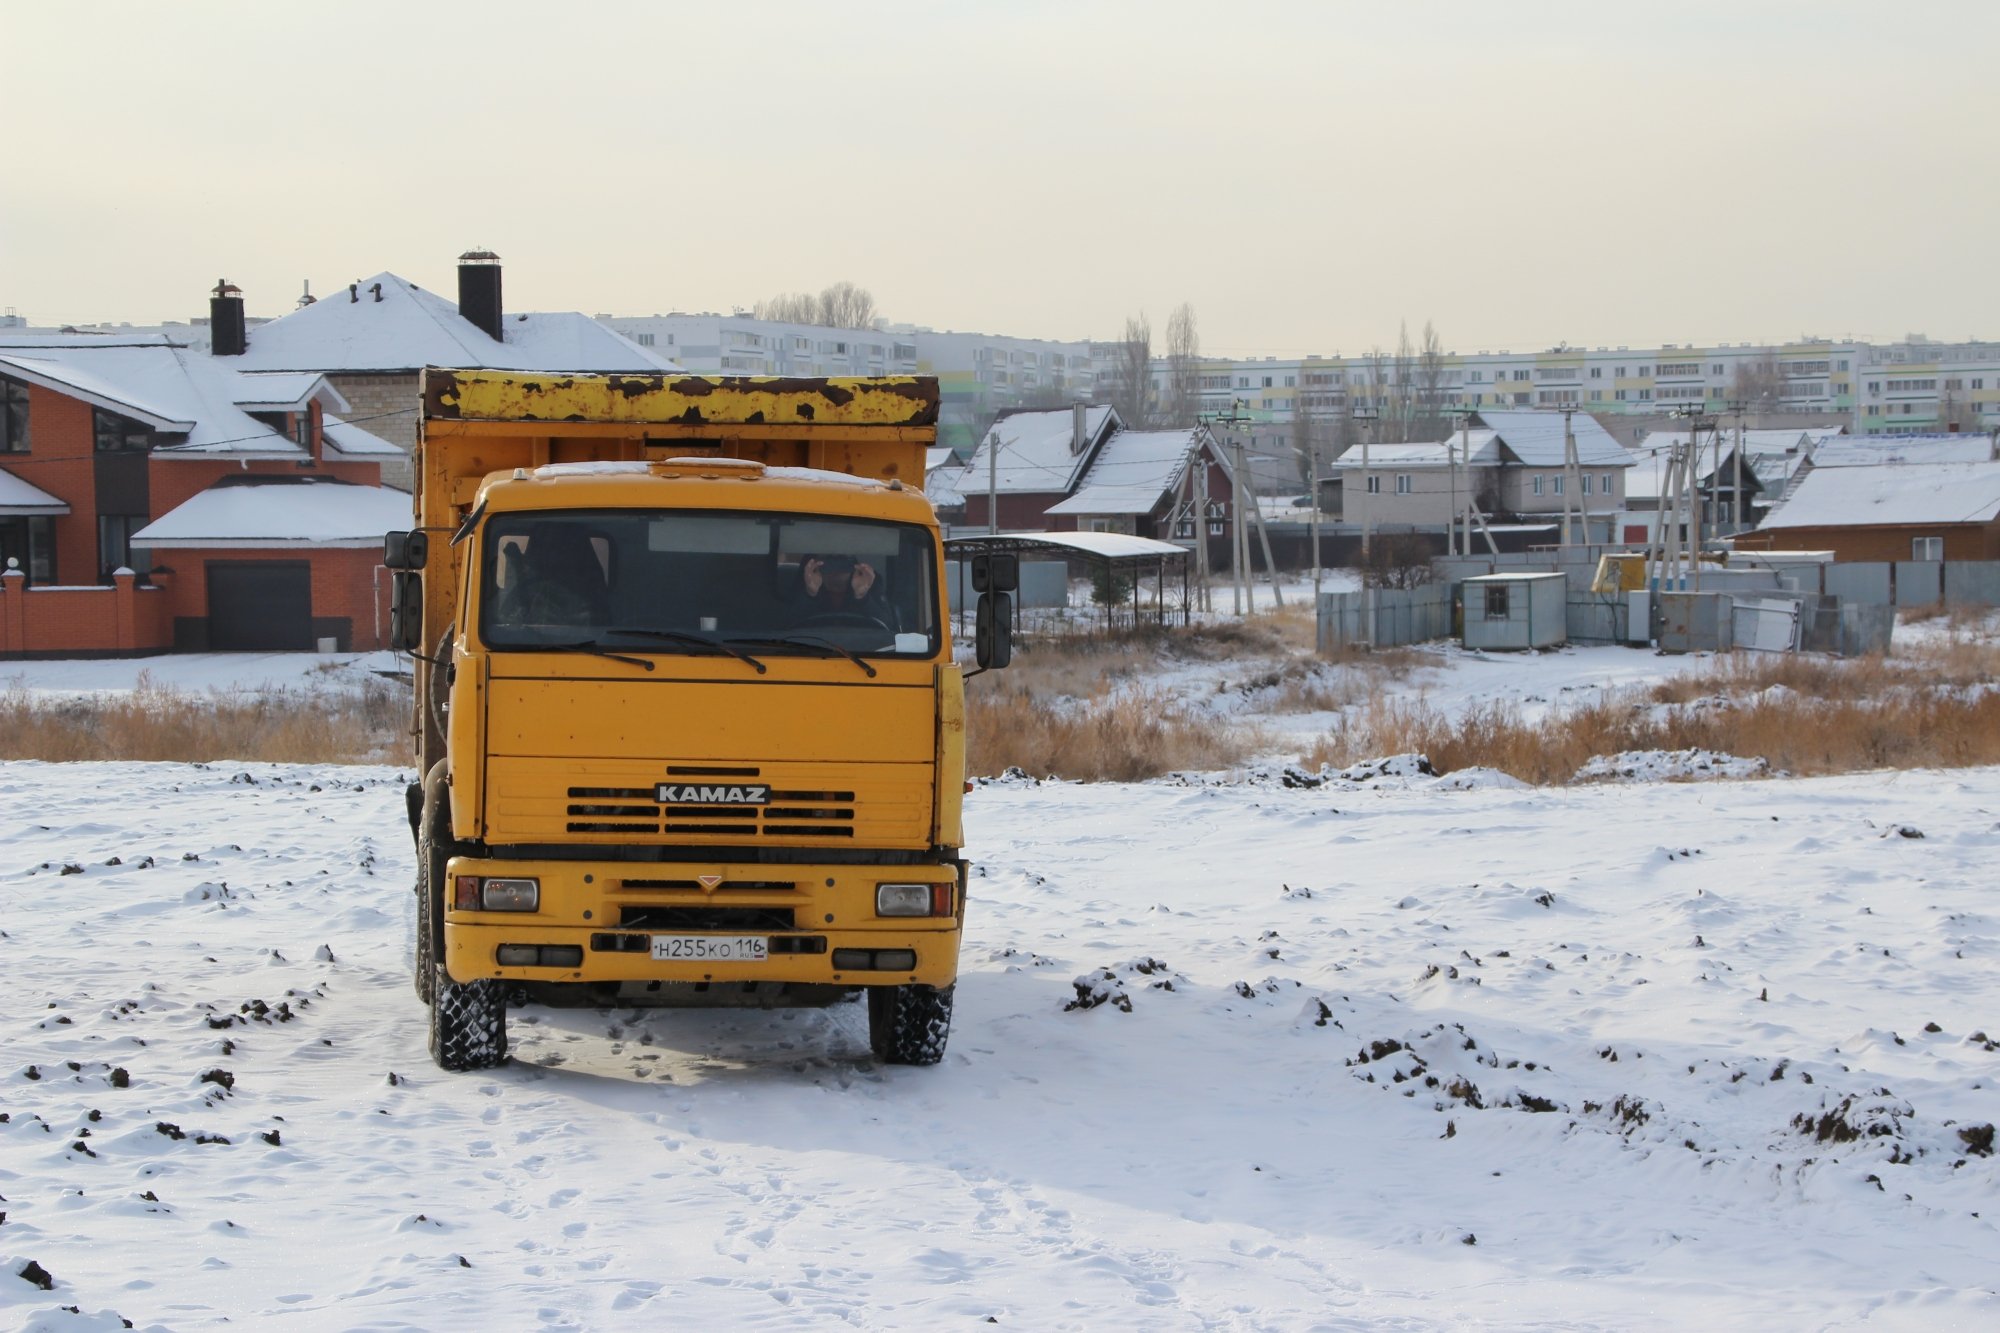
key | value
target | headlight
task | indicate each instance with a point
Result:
(510, 895)
(902, 900)
(913, 899)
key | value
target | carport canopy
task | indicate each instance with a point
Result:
(1113, 553)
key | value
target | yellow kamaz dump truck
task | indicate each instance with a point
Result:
(687, 718)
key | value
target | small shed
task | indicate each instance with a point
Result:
(1517, 611)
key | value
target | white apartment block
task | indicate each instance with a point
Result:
(1911, 387)
(742, 345)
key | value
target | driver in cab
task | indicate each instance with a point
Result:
(840, 585)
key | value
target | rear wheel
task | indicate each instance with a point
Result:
(909, 1025)
(468, 1022)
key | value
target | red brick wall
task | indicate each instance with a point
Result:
(343, 585)
(61, 459)
(54, 622)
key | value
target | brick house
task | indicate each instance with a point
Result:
(373, 339)
(152, 498)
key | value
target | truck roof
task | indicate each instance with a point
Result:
(701, 483)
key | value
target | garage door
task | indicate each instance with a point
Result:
(260, 607)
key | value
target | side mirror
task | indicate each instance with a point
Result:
(406, 550)
(996, 573)
(993, 631)
(406, 612)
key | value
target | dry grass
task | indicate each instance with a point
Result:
(364, 724)
(1804, 715)
(1079, 707)
(1125, 737)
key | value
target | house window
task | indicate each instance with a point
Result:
(1402, 483)
(31, 541)
(1496, 601)
(13, 417)
(1538, 483)
(1586, 483)
(1558, 485)
(114, 542)
(645, 340)
(1374, 484)
(1607, 483)
(1927, 548)
(120, 435)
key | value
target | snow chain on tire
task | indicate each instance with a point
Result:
(908, 1025)
(468, 1023)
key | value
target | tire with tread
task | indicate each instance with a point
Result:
(909, 1025)
(434, 852)
(424, 970)
(468, 1022)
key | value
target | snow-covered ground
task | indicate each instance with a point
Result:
(1387, 1054)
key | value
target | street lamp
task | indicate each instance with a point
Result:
(1367, 417)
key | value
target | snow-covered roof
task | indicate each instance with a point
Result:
(1035, 453)
(1869, 450)
(288, 391)
(392, 325)
(19, 498)
(172, 389)
(1105, 545)
(1892, 493)
(354, 442)
(1109, 500)
(257, 512)
(1536, 438)
(1482, 449)
(1132, 472)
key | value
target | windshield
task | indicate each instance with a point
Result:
(690, 581)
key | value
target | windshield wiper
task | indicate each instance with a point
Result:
(813, 641)
(591, 646)
(685, 636)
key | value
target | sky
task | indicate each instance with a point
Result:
(1306, 175)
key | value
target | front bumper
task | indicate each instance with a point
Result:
(609, 910)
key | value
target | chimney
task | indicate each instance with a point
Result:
(479, 290)
(1077, 428)
(225, 320)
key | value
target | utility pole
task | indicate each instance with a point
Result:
(1572, 476)
(1736, 405)
(992, 482)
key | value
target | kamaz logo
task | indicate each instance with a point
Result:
(690, 793)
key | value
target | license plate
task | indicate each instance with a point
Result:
(711, 948)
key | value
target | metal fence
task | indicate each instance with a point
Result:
(1384, 617)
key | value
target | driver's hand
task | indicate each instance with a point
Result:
(810, 576)
(864, 579)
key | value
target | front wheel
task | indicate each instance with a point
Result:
(909, 1025)
(468, 1022)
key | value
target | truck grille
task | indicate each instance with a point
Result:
(798, 814)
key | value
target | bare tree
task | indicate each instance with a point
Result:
(1760, 384)
(1305, 440)
(1431, 422)
(1398, 560)
(1132, 375)
(840, 306)
(1183, 396)
(1405, 372)
(846, 306)
(789, 308)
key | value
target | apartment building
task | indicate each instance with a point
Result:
(1911, 387)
